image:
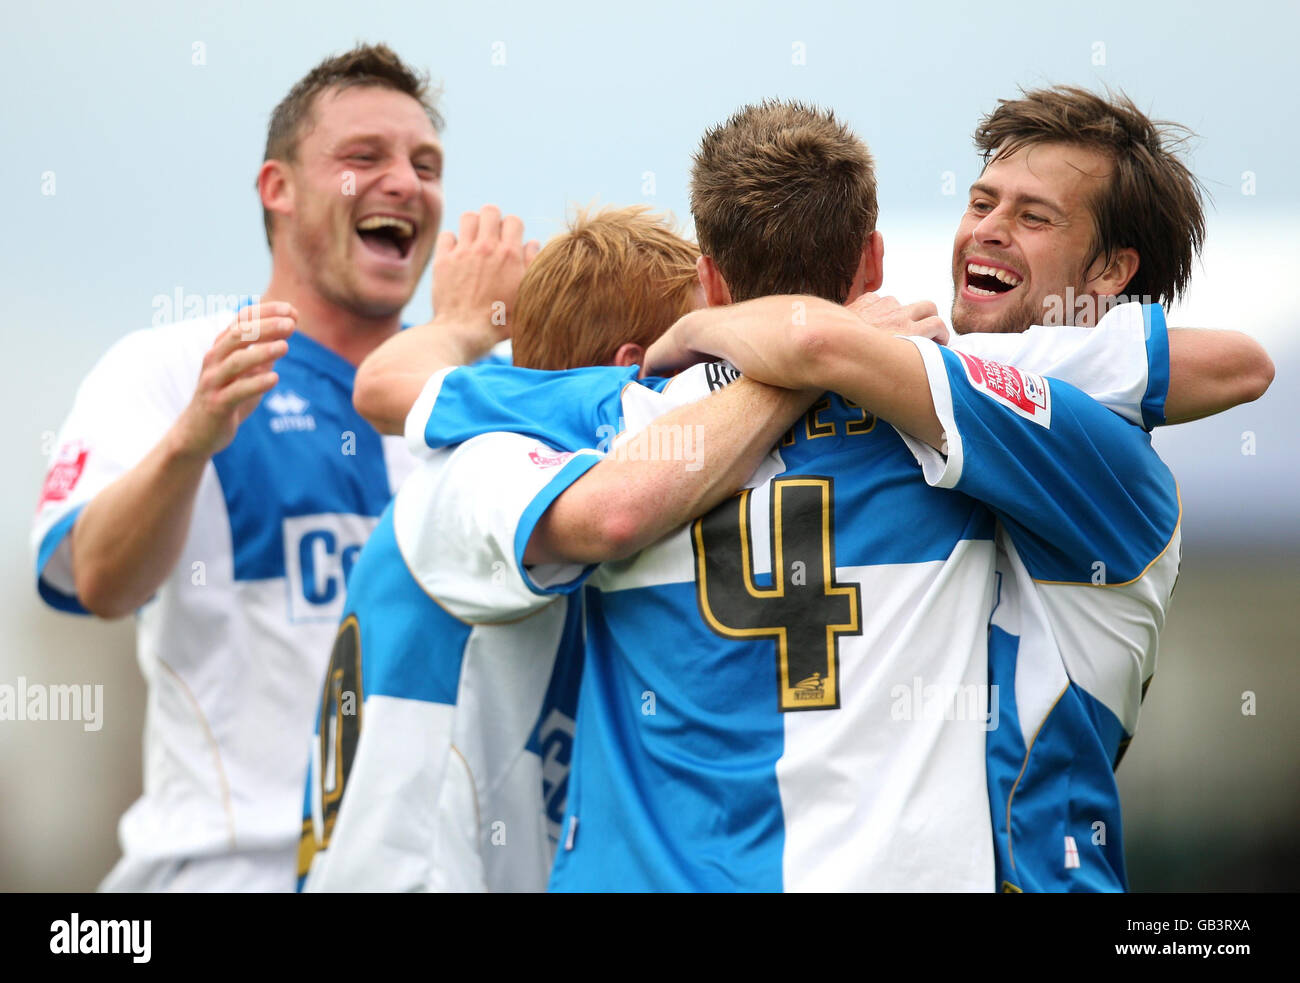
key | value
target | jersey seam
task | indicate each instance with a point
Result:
(1011, 852)
(473, 787)
(227, 805)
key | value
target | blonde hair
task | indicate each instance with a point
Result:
(615, 276)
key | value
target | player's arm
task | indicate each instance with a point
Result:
(475, 282)
(621, 506)
(1211, 371)
(128, 537)
(808, 343)
(1208, 371)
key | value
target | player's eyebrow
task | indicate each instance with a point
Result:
(1021, 199)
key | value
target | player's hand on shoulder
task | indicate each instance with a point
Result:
(672, 351)
(237, 371)
(888, 315)
(476, 275)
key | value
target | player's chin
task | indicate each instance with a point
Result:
(383, 298)
(983, 318)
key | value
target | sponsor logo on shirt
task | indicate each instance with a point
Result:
(557, 751)
(319, 552)
(1022, 392)
(289, 411)
(64, 473)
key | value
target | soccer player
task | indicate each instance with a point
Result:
(753, 747)
(443, 740)
(229, 521)
(1081, 201)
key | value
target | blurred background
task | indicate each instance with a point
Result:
(133, 133)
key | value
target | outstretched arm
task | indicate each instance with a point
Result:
(1212, 371)
(813, 344)
(621, 505)
(1209, 370)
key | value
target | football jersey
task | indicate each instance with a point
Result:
(1071, 659)
(235, 641)
(812, 711)
(443, 735)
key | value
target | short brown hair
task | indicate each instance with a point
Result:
(366, 64)
(1152, 203)
(618, 275)
(784, 198)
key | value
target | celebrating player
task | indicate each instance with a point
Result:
(841, 572)
(1081, 201)
(443, 740)
(230, 521)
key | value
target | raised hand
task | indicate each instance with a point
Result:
(476, 275)
(237, 372)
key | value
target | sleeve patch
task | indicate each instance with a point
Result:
(64, 473)
(1021, 392)
(545, 458)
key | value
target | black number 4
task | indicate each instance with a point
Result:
(805, 610)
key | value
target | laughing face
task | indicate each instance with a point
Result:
(366, 199)
(1026, 237)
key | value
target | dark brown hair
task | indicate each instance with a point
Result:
(366, 64)
(1152, 202)
(618, 275)
(784, 198)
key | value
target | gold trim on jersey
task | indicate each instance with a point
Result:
(1145, 570)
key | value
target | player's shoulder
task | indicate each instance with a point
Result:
(171, 344)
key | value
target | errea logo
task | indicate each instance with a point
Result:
(289, 411)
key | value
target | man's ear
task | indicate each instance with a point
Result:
(630, 353)
(716, 291)
(1111, 281)
(871, 268)
(275, 187)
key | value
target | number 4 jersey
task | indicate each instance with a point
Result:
(792, 692)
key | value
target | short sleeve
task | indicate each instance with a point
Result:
(123, 408)
(1075, 485)
(567, 409)
(464, 517)
(1122, 363)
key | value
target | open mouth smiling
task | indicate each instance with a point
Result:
(388, 235)
(990, 281)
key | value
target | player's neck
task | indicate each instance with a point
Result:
(347, 334)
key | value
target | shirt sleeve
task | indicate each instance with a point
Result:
(464, 518)
(123, 408)
(1080, 491)
(568, 409)
(1122, 363)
